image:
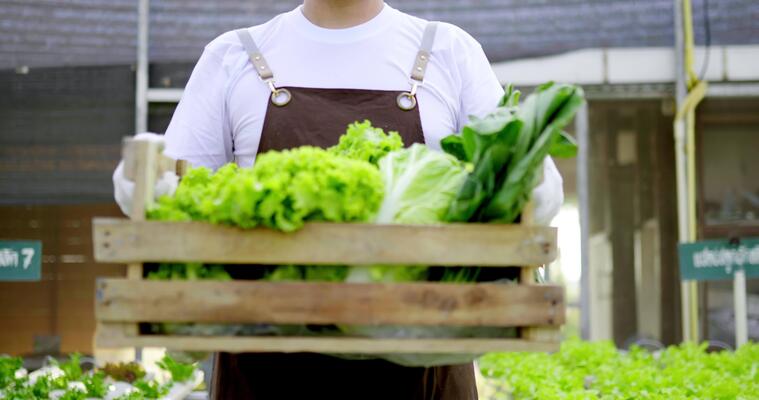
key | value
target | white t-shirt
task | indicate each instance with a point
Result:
(225, 96)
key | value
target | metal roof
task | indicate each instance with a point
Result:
(40, 33)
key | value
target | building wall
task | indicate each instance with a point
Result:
(61, 133)
(632, 190)
(44, 33)
(60, 307)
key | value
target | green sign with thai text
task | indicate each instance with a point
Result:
(20, 260)
(712, 260)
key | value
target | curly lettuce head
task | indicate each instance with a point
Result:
(281, 191)
(362, 141)
(286, 188)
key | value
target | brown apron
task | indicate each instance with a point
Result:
(306, 116)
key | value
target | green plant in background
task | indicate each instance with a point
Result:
(74, 394)
(585, 370)
(95, 384)
(46, 384)
(135, 395)
(8, 368)
(151, 389)
(124, 371)
(76, 385)
(71, 368)
(180, 372)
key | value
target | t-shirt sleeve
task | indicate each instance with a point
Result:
(480, 89)
(199, 131)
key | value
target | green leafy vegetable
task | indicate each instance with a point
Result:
(8, 368)
(196, 187)
(72, 368)
(460, 275)
(314, 273)
(420, 185)
(549, 109)
(189, 271)
(134, 395)
(74, 394)
(282, 191)
(95, 384)
(46, 384)
(285, 273)
(75, 385)
(180, 372)
(507, 147)
(364, 142)
(153, 389)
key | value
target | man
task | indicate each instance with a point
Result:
(300, 79)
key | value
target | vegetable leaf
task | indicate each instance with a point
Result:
(364, 142)
(564, 146)
(180, 372)
(152, 389)
(8, 368)
(72, 368)
(95, 385)
(507, 147)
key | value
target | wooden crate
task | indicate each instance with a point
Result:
(121, 304)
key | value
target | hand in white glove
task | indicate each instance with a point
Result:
(124, 188)
(548, 196)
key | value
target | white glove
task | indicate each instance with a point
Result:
(548, 196)
(124, 188)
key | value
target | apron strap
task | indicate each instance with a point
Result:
(256, 58)
(279, 97)
(407, 100)
(423, 55)
(262, 69)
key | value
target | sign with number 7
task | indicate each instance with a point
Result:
(20, 260)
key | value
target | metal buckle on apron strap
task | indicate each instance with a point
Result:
(407, 100)
(279, 96)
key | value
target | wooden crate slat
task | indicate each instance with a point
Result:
(323, 344)
(329, 303)
(125, 241)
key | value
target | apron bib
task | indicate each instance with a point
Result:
(317, 117)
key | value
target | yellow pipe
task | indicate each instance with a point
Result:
(689, 46)
(686, 115)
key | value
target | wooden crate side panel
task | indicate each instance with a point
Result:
(323, 243)
(329, 303)
(108, 338)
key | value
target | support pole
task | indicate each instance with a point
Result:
(141, 90)
(741, 309)
(583, 143)
(681, 91)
